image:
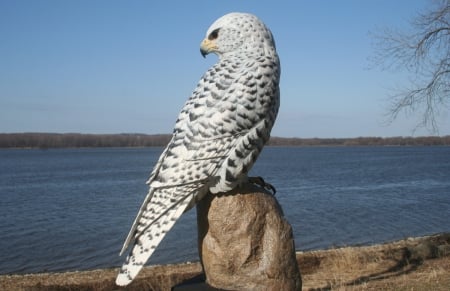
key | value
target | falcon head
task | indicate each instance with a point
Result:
(238, 33)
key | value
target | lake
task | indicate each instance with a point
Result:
(71, 209)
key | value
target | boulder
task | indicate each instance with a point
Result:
(245, 243)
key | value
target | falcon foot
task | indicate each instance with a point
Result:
(259, 181)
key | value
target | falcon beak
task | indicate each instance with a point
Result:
(207, 46)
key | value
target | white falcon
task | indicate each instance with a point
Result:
(218, 135)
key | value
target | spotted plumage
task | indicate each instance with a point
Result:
(218, 135)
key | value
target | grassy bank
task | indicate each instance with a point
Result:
(411, 264)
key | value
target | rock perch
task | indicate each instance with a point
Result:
(245, 243)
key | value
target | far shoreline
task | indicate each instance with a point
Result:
(137, 140)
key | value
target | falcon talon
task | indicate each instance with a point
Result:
(272, 188)
(260, 182)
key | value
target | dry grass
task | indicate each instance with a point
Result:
(411, 264)
(150, 278)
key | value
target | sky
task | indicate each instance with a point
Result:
(129, 66)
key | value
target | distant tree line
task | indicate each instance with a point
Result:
(362, 141)
(77, 140)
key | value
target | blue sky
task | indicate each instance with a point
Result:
(129, 66)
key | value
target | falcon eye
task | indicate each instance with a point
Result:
(214, 34)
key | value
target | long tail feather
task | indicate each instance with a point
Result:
(132, 232)
(151, 232)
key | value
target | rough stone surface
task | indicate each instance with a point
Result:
(245, 243)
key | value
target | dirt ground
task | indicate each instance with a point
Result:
(411, 264)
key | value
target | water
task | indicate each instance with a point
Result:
(71, 209)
